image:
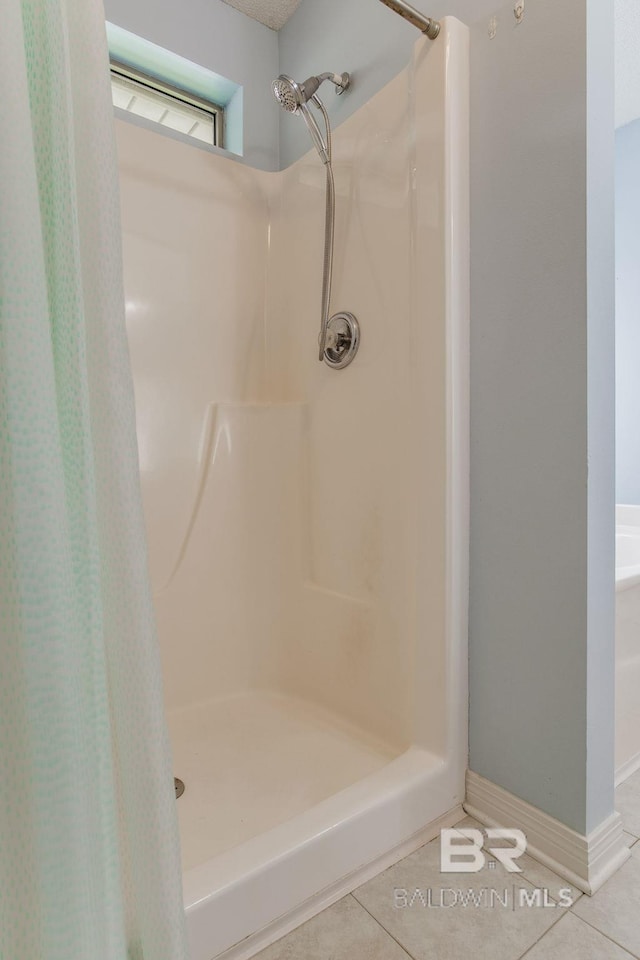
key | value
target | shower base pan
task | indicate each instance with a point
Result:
(281, 798)
(254, 761)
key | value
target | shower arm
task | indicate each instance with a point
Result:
(426, 25)
(341, 81)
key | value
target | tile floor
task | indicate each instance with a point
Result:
(377, 922)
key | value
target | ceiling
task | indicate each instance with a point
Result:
(273, 13)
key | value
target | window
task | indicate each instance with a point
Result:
(185, 99)
(169, 106)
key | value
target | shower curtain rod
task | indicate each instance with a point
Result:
(425, 24)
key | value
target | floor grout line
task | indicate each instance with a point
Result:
(605, 935)
(381, 924)
(563, 913)
(540, 938)
(531, 947)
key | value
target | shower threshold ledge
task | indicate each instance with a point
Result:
(332, 804)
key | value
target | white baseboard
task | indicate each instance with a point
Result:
(627, 769)
(585, 861)
(284, 925)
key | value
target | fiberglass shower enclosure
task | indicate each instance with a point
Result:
(307, 526)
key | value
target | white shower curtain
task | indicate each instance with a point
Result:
(89, 860)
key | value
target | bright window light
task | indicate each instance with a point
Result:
(159, 102)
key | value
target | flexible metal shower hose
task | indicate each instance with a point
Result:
(329, 230)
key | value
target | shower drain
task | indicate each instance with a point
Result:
(179, 785)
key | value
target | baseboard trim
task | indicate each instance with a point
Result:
(284, 925)
(585, 861)
(627, 769)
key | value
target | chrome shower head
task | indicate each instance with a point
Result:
(287, 93)
(292, 95)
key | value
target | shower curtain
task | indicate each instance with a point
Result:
(89, 859)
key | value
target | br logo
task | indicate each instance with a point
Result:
(461, 850)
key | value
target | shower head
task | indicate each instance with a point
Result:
(288, 94)
(294, 97)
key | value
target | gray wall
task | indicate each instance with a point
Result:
(628, 313)
(599, 466)
(541, 633)
(220, 38)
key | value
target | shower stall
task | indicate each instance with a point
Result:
(307, 526)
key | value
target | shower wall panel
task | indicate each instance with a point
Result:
(371, 597)
(217, 462)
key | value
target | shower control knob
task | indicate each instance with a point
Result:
(342, 340)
